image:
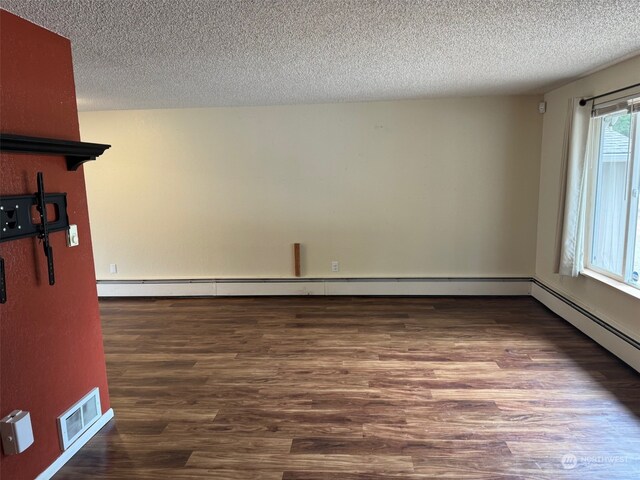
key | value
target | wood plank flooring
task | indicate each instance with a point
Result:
(351, 388)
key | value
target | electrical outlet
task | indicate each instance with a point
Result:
(113, 268)
(335, 266)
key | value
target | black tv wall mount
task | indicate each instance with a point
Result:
(16, 210)
(16, 223)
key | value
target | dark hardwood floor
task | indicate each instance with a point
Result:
(348, 388)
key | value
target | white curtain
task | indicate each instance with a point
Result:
(573, 191)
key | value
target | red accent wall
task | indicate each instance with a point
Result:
(51, 350)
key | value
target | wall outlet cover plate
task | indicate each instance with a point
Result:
(72, 236)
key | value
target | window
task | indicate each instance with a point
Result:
(613, 237)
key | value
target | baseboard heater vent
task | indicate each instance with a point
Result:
(75, 421)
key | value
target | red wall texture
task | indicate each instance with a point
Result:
(51, 351)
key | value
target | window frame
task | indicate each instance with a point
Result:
(632, 181)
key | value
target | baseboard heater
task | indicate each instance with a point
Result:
(622, 335)
(315, 286)
(607, 334)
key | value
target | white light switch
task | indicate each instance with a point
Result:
(72, 236)
(16, 431)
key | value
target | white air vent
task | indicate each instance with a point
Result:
(75, 421)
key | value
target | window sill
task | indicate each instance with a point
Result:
(623, 287)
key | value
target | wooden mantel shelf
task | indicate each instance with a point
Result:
(76, 153)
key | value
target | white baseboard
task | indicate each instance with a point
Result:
(430, 287)
(602, 333)
(75, 446)
(249, 288)
(156, 289)
(347, 286)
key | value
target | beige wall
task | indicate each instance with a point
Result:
(445, 187)
(620, 309)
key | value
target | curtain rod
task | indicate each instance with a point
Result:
(584, 101)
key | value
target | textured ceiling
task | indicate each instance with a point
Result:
(191, 53)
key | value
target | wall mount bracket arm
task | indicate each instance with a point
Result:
(75, 153)
(16, 223)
